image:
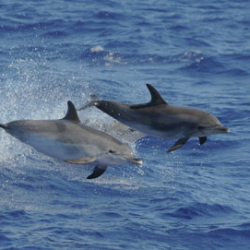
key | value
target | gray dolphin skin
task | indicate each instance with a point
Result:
(69, 140)
(160, 119)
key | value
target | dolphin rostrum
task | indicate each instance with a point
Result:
(160, 119)
(69, 140)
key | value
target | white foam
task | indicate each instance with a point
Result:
(97, 49)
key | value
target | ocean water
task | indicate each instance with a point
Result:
(196, 53)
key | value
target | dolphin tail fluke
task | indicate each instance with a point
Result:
(98, 171)
(3, 126)
(90, 104)
(93, 102)
(178, 144)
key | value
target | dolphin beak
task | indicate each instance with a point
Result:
(134, 160)
(223, 129)
(137, 161)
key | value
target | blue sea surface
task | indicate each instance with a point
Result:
(196, 53)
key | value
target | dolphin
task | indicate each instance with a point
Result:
(69, 140)
(160, 119)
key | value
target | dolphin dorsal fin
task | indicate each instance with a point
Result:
(71, 113)
(156, 98)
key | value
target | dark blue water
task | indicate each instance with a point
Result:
(196, 53)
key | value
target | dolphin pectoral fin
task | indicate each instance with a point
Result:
(83, 160)
(98, 171)
(178, 144)
(202, 140)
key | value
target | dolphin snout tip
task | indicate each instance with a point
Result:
(133, 160)
(222, 129)
(225, 130)
(137, 161)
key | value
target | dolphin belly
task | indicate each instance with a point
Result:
(55, 148)
(159, 129)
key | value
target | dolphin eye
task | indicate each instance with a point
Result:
(111, 151)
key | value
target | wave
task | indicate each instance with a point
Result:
(201, 210)
(107, 15)
(98, 55)
(236, 72)
(204, 64)
(229, 232)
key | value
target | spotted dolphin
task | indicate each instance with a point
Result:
(69, 140)
(160, 119)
